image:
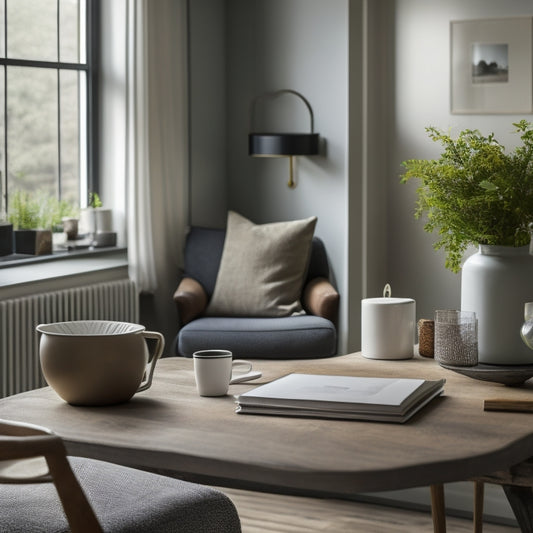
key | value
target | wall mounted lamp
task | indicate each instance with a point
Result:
(282, 144)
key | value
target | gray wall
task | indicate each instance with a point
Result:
(274, 45)
(208, 112)
(269, 45)
(420, 72)
(422, 81)
(376, 73)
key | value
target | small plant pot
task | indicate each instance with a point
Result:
(6, 239)
(70, 227)
(33, 241)
(104, 220)
(87, 223)
(96, 219)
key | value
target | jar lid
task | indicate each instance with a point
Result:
(388, 301)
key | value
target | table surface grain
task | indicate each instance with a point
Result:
(171, 428)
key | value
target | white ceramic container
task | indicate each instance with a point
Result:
(388, 328)
(97, 362)
(496, 282)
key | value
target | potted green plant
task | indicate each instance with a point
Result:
(6, 238)
(95, 217)
(53, 211)
(477, 193)
(97, 222)
(34, 218)
(29, 238)
(6, 233)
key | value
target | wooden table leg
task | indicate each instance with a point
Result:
(438, 511)
(521, 500)
(479, 492)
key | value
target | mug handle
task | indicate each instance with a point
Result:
(247, 376)
(152, 359)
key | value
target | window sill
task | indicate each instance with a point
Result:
(13, 260)
(29, 274)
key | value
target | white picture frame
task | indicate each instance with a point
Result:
(491, 66)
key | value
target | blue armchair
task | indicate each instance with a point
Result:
(309, 335)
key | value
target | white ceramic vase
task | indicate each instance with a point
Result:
(495, 283)
(96, 219)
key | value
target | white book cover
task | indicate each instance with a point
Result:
(341, 395)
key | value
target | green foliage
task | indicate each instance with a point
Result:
(53, 211)
(23, 211)
(37, 211)
(94, 200)
(476, 193)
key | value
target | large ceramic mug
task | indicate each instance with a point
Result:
(98, 362)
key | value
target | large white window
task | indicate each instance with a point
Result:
(47, 101)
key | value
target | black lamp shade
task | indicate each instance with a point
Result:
(282, 144)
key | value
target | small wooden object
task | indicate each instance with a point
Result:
(426, 337)
(496, 404)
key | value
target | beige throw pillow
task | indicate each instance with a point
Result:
(262, 268)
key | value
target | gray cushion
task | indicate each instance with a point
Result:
(124, 500)
(262, 269)
(297, 337)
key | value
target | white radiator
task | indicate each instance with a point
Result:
(19, 350)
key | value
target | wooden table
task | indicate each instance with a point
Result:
(171, 429)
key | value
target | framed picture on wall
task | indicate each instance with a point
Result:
(491, 66)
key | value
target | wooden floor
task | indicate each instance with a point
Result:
(270, 513)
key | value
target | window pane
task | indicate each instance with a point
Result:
(70, 134)
(32, 31)
(32, 129)
(71, 31)
(3, 188)
(2, 30)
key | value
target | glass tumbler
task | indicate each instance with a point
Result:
(456, 337)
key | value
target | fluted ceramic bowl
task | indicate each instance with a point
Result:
(97, 362)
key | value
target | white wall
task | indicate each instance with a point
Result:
(111, 120)
(422, 81)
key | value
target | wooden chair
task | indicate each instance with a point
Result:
(96, 496)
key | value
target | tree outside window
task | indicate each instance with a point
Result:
(46, 97)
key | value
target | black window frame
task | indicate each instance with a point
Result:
(91, 68)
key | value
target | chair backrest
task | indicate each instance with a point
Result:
(25, 441)
(203, 252)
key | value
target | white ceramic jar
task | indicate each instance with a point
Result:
(388, 328)
(496, 282)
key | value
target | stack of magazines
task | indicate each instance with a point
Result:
(344, 397)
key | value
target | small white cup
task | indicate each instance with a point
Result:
(213, 371)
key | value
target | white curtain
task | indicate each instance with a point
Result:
(139, 222)
(157, 149)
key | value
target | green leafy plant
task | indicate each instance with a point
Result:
(23, 211)
(53, 211)
(94, 200)
(475, 193)
(38, 210)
